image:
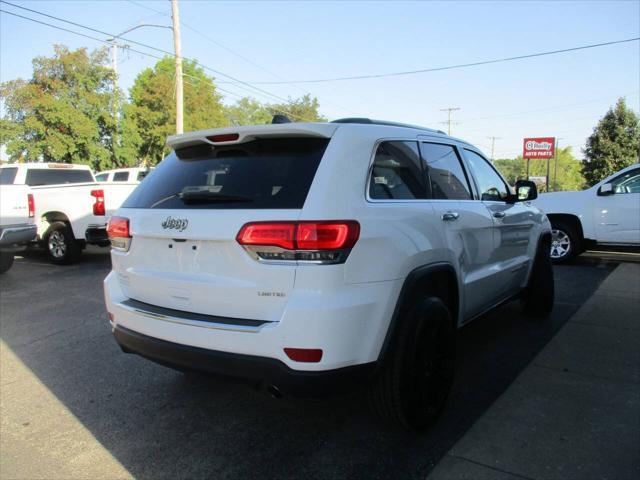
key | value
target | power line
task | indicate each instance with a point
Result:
(77, 33)
(146, 46)
(233, 52)
(289, 113)
(450, 67)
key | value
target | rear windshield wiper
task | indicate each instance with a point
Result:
(204, 196)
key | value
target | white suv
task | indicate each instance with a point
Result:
(317, 257)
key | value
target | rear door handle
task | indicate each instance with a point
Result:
(450, 216)
(499, 214)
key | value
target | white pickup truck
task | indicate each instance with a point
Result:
(17, 229)
(71, 209)
(606, 214)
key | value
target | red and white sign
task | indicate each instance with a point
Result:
(544, 147)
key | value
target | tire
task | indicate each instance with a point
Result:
(62, 247)
(6, 261)
(565, 242)
(412, 388)
(539, 295)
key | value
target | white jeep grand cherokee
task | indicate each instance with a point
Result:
(320, 256)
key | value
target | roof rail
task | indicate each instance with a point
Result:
(369, 121)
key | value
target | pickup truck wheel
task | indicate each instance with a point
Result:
(6, 260)
(62, 247)
(565, 242)
(539, 295)
(413, 385)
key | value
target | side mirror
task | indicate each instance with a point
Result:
(606, 189)
(526, 191)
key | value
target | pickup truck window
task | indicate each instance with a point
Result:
(121, 176)
(102, 177)
(57, 176)
(492, 187)
(628, 182)
(445, 172)
(8, 175)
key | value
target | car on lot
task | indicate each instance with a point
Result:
(127, 175)
(607, 214)
(317, 257)
(71, 209)
(17, 229)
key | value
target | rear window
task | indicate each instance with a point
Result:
(8, 175)
(264, 173)
(57, 176)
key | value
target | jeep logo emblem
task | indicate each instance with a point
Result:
(175, 224)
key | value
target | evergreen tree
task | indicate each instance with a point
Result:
(614, 144)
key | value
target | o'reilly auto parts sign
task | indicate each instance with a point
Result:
(543, 147)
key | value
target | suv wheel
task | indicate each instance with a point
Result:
(6, 260)
(539, 295)
(413, 386)
(62, 247)
(565, 242)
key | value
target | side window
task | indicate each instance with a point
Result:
(492, 187)
(142, 174)
(121, 176)
(628, 182)
(444, 172)
(8, 175)
(102, 177)
(397, 172)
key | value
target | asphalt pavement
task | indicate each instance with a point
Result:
(73, 405)
(574, 412)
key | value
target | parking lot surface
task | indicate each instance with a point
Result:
(74, 406)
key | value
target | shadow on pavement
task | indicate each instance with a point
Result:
(161, 424)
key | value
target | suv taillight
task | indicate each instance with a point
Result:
(98, 205)
(318, 242)
(119, 235)
(31, 204)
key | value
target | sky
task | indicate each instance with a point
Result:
(560, 95)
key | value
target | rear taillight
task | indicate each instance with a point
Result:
(119, 235)
(31, 204)
(98, 205)
(316, 242)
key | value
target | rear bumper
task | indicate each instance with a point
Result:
(13, 237)
(269, 371)
(97, 235)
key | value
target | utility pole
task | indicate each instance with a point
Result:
(448, 122)
(555, 166)
(493, 146)
(175, 14)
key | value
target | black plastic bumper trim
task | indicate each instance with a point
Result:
(267, 370)
(199, 317)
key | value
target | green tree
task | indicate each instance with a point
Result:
(303, 109)
(565, 176)
(248, 111)
(64, 113)
(153, 109)
(614, 144)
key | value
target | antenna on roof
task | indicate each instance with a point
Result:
(280, 119)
